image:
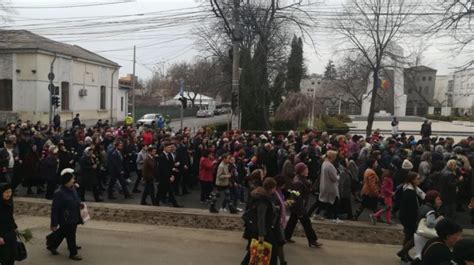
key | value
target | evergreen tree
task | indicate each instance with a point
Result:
(278, 89)
(330, 72)
(295, 67)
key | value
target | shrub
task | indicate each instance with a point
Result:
(284, 125)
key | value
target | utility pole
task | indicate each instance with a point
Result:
(181, 94)
(133, 83)
(51, 90)
(236, 37)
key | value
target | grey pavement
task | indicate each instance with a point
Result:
(107, 243)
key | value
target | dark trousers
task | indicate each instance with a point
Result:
(95, 192)
(345, 207)
(206, 189)
(123, 183)
(51, 186)
(149, 191)
(137, 181)
(367, 202)
(65, 231)
(166, 189)
(185, 181)
(332, 209)
(308, 229)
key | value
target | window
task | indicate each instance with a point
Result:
(423, 78)
(429, 78)
(64, 96)
(6, 97)
(426, 90)
(419, 89)
(102, 97)
(121, 104)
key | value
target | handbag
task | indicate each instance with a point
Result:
(20, 253)
(425, 231)
(85, 216)
(260, 253)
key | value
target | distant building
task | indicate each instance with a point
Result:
(328, 96)
(441, 96)
(420, 88)
(87, 83)
(463, 92)
(128, 81)
(200, 100)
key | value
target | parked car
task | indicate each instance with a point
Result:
(203, 113)
(147, 119)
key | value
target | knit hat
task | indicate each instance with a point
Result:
(463, 251)
(66, 175)
(407, 164)
(300, 168)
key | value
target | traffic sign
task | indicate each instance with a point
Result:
(51, 76)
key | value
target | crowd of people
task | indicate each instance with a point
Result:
(278, 178)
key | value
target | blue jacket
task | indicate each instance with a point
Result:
(66, 207)
(115, 162)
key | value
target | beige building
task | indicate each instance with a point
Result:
(85, 82)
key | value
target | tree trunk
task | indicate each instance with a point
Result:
(370, 118)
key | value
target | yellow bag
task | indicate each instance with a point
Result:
(260, 254)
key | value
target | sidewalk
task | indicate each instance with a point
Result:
(107, 243)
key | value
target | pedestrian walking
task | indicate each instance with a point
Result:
(65, 216)
(8, 226)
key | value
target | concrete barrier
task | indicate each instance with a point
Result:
(199, 218)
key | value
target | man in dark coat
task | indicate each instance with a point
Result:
(116, 171)
(184, 165)
(76, 121)
(448, 185)
(65, 216)
(426, 129)
(166, 175)
(149, 174)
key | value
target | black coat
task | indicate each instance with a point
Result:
(303, 186)
(49, 168)
(7, 227)
(88, 175)
(409, 209)
(66, 207)
(447, 186)
(115, 162)
(165, 168)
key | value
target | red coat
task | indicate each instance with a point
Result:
(206, 169)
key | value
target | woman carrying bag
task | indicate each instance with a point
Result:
(8, 226)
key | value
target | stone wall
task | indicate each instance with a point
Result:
(199, 218)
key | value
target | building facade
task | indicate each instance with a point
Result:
(85, 82)
(463, 92)
(420, 88)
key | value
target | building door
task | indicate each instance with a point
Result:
(6, 98)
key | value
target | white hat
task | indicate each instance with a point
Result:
(67, 170)
(407, 164)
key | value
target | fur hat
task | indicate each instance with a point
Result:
(407, 164)
(300, 168)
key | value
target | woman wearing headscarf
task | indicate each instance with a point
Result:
(65, 216)
(7, 226)
(88, 174)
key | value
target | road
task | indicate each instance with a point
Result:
(108, 243)
(196, 123)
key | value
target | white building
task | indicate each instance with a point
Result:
(87, 83)
(463, 91)
(199, 100)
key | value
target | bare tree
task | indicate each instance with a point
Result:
(455, 20)
(295, 108)
(371, 27)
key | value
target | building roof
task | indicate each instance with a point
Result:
(23, 40)
(421, 68)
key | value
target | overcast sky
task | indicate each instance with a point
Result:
(174, 42)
